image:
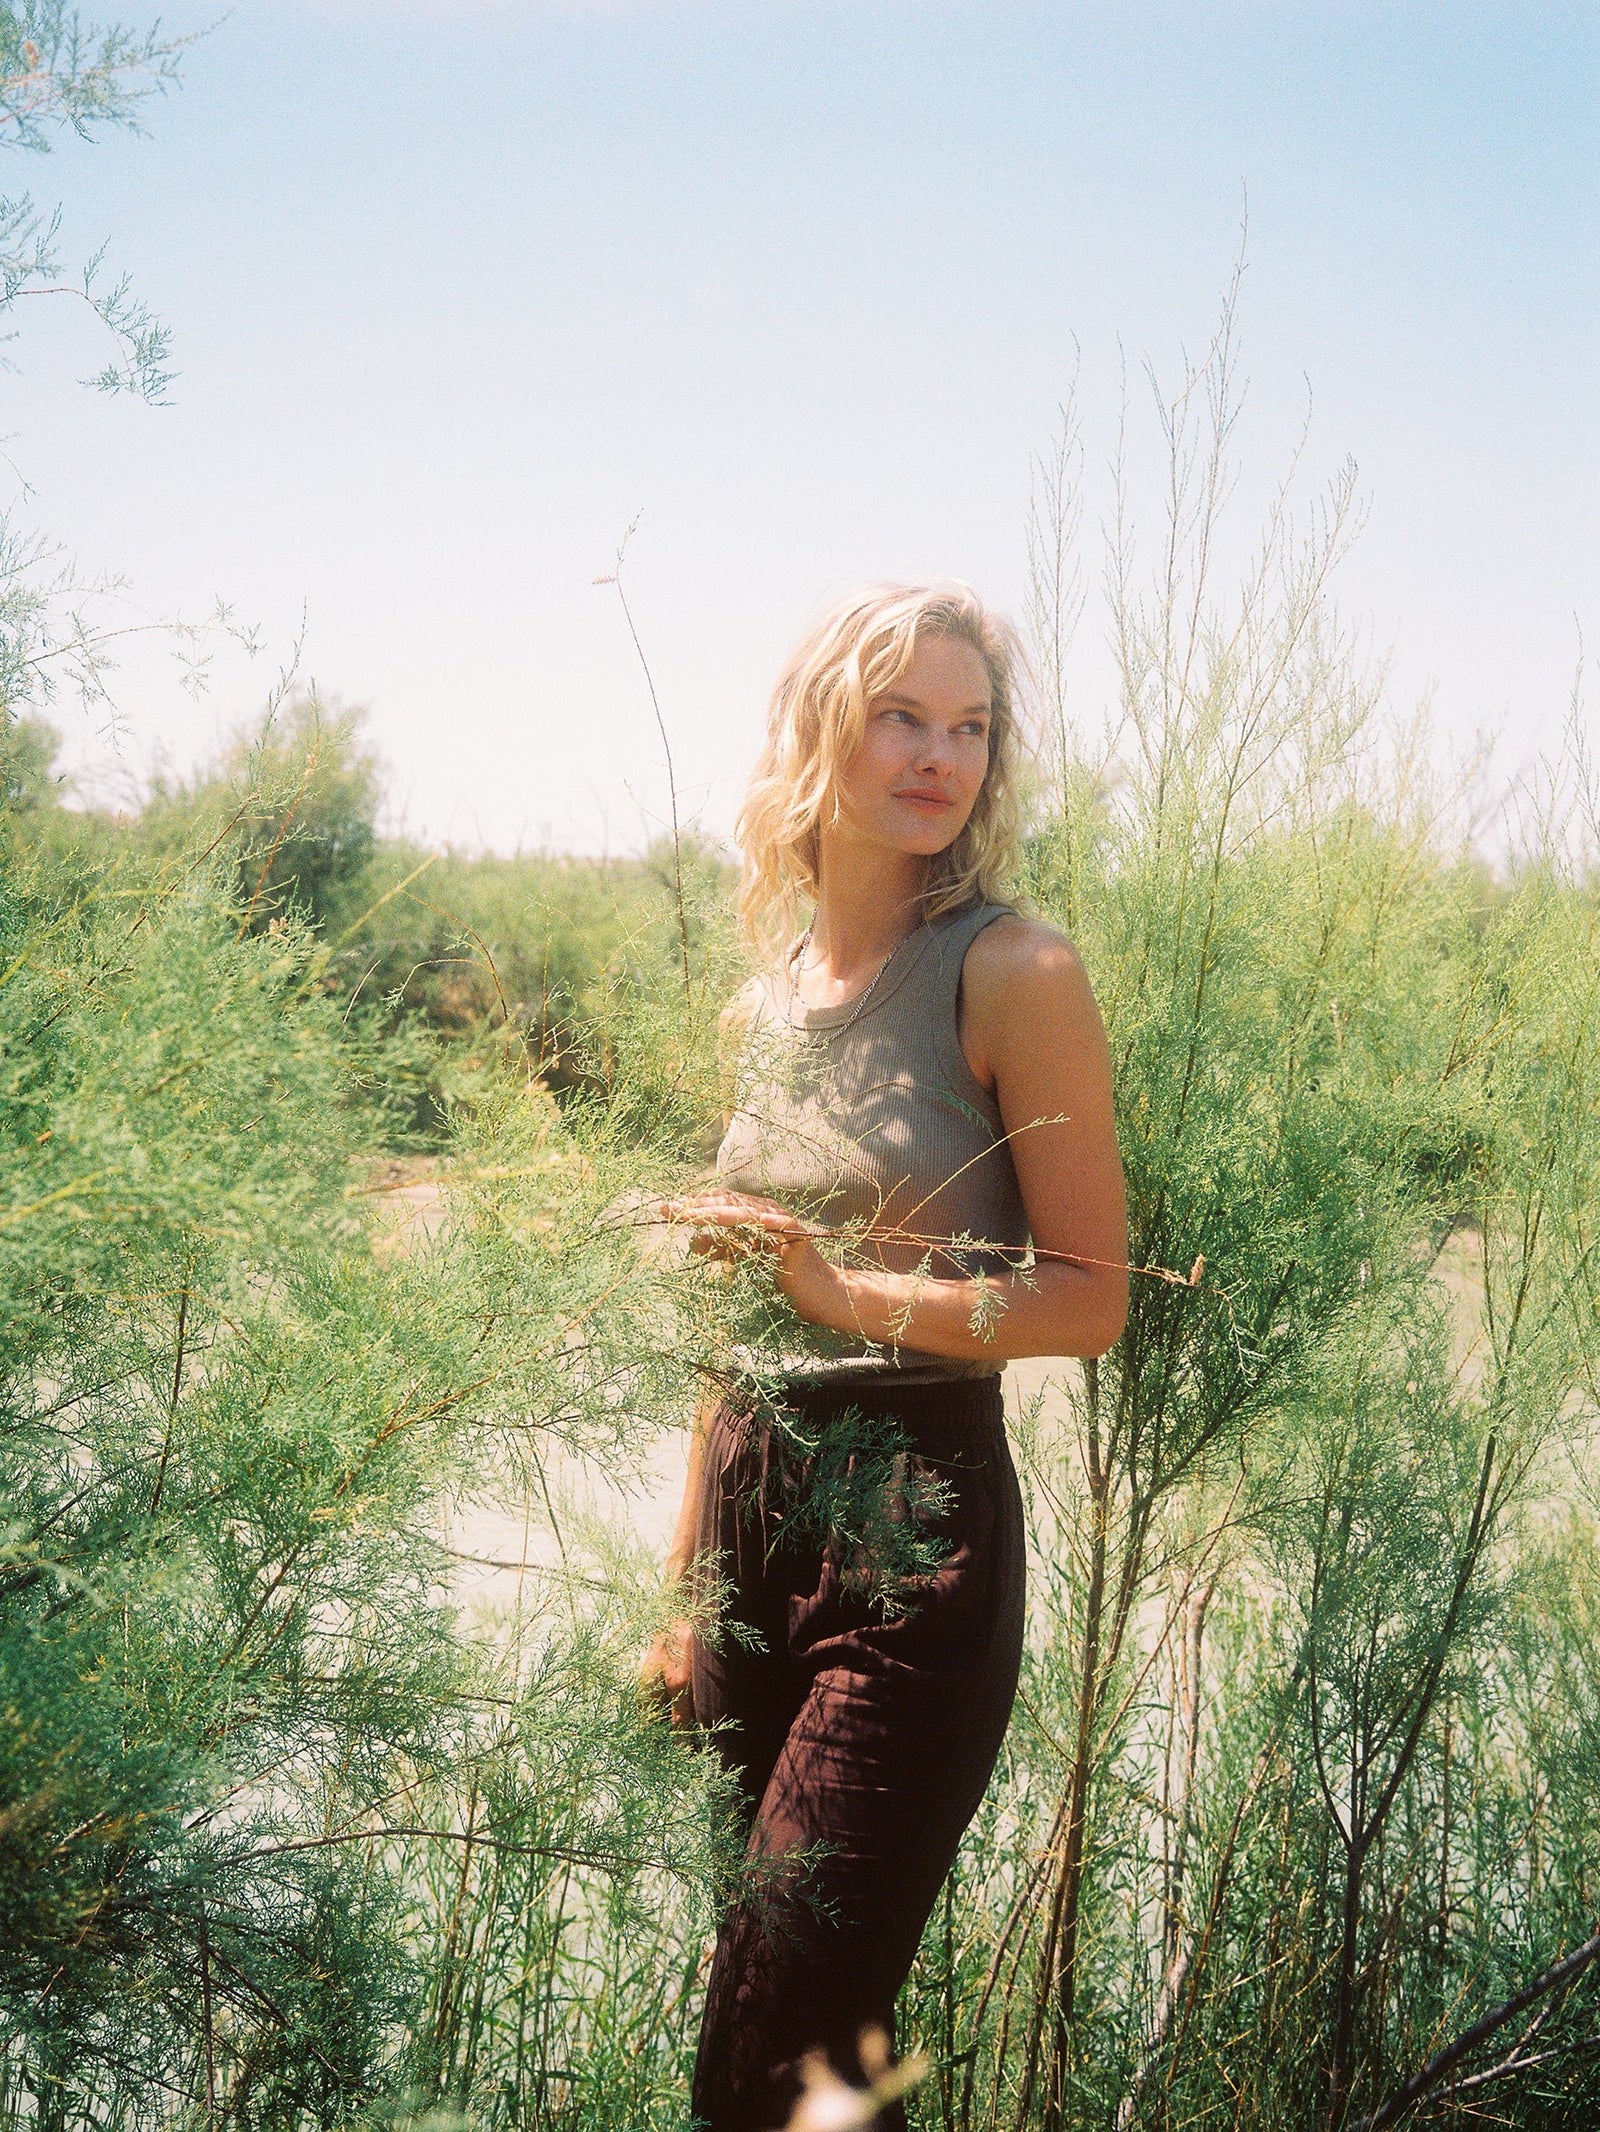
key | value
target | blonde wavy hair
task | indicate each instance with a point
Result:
(854, 651)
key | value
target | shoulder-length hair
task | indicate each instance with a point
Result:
(854, 651)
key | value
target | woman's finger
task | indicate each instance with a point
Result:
(730, 1219)
(726, 1207)
(729, 1226)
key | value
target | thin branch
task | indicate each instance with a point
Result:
(615, 578)
(1442, 2063)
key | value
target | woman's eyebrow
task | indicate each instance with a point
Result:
(894, 700)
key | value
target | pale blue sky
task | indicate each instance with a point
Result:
(459, 289)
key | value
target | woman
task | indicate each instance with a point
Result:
(925, 1071)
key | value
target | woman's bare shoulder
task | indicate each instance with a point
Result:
(1024, 992)
(1019, 950)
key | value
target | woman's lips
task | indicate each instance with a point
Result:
(932, 802)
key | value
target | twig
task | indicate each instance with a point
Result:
(602, 1859)
(206, 2022)
(388, 895)
(614, 577)
(277, 843)
(1442, 2063)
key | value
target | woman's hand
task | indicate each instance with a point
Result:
(736, 1225)
(666, 1676)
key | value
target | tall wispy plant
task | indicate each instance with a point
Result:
(1286, 1519)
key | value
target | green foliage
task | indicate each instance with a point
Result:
(243, 1727)
(552, 948)
(27, 758)
(58, 70)
(1275, 1824)
(291, 806)
(459, 961)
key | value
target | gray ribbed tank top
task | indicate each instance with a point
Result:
(866, 1118)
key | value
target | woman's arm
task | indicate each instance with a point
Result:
(665, 1672)
(1032, 1032)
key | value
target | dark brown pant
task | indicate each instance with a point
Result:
(870, 1738)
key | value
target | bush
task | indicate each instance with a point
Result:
(246, 1741)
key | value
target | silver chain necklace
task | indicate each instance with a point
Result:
(858, 1005)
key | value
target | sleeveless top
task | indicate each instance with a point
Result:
(866, 1119)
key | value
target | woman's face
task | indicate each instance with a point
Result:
(913, 781)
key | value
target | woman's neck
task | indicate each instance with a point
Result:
(864, 911)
